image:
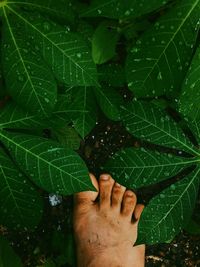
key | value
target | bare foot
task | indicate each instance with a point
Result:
(104, 230)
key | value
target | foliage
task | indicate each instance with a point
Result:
(67, 64)
(8, 257)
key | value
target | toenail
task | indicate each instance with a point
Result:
(117, 185)
(129, 194)
(105, 177)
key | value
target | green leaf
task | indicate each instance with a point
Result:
(70, 252)
(50, 166)
(157, 64)
(190, 94)
(60, 116)
(8, 258)
(112, 74)
(2, 87)
(194, 126)
(121, 9)
(138, 167)
(12, 116)
(132, 31)
(64, 247)
(83, 110)
(60, 9)
(66, 250)
(109, 101)
(20, 204)
(67, 53)
(86, 30)
(168, 212)
(102, 50)
(28, 78)
(150, 123)
(192, 228)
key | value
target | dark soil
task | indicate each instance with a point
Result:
(184, 251)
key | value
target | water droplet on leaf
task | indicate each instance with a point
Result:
(127, 13)
(134, 50)
(46, 26)
(173, 187)
(159, 76)
(21, 78)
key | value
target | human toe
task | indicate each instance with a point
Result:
(106, 183)
(117, 196)
(128, 204)
(138, 211)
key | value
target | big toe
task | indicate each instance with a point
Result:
(87, 197)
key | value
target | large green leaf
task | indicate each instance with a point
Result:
(190, 94)
(86, 30)
(146, 121)
(8, 258)
(20, 204)
(12, 116)
(138, 167)
(169, 211)
(28, 78)
(2, 87)
(120, 8)
(83, 110)
(60, 115)
(50, 166)
(66, 52)
(61, 8)
(194, 126)
(156, 65)
(102, 50)
(193, 228)
(109, 101)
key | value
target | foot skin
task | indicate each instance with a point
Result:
(105, 231)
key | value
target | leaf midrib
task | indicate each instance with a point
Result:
(170, 41)
(104, 95)
(2, 125)
(160, 129)
(33, 5)
(21, 58)
(11, 193)
(42, 159)
(156, 166)
(179, 199)
(53, 44)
